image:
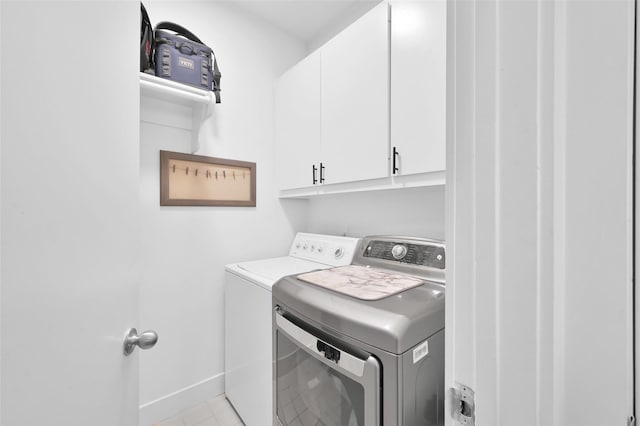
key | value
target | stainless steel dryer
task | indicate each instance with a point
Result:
(363, 345)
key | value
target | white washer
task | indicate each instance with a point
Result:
(248, 329)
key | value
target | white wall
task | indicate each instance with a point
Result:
(415, 212)
(1, 136)
(539, 176)
(348, 16)
(186, 248)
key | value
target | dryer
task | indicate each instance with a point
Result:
(248, 329)
(363, 345)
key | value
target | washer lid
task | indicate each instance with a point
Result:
(266, 272)
(394, 324)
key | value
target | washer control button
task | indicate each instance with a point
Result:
(338, 253)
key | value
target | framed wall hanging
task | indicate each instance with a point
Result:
(197, 180)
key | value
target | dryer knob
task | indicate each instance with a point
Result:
(399, 251)
(338, 253)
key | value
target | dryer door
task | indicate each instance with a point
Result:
(317, 383)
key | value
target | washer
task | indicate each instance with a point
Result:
(363, 345)
(248, 330)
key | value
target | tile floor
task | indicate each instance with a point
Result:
(216, 412)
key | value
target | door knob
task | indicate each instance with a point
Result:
(146, 340)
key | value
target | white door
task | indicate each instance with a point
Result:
(354, 100)
(69, 212)
(539, 187)
(418, 85)
(297, 124)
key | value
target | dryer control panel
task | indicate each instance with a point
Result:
(421, 257)
(406, 252)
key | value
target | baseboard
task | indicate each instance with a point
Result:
(166, 406)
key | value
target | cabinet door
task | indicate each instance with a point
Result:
(355, 94)
(418, 84)
(297, 143)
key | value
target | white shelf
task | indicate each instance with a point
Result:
(168, 90)
(393, 182)
(200, 101)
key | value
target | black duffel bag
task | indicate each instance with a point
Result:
(146, 40)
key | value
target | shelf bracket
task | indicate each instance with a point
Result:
(201, 112)
(200, 101)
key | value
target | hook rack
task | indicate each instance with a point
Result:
(195, 180)
(207, 172)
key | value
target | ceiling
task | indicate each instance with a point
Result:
(307, 20)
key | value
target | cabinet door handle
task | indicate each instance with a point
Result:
(315, 169)
(321, 173)
(395, 160)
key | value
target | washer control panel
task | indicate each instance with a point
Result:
(330, 250)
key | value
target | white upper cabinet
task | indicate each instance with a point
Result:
(376, 88)
(355, 100)
(418, 85)
(298, 124)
